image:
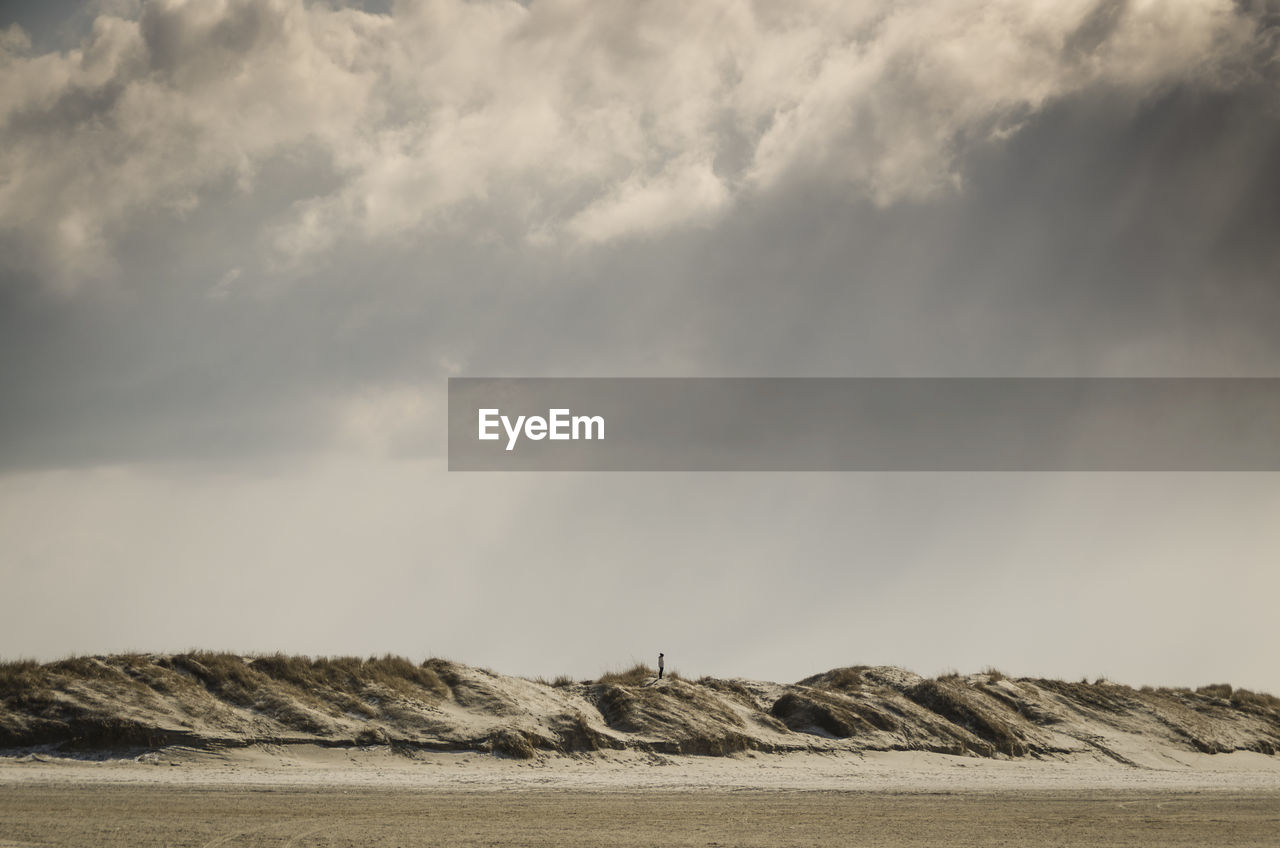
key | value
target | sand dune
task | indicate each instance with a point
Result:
(221, 701)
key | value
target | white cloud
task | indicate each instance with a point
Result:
(556, 122)
(686, 192)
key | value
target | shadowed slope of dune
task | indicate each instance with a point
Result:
(210, 700)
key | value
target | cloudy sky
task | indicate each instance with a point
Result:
(244, 244)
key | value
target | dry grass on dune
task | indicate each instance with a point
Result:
(848, 679)
(634, 676)
(132, 697)
(215, 699)
(637, 675)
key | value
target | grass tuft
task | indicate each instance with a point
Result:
(637, 675)
(1216, 690)
(1256, 702)
(512, 743)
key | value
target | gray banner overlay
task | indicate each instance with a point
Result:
(871, 424)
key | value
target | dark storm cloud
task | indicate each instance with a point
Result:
(1095, 27)
(51, 24)
(191, 281)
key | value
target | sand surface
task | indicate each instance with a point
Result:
(372, 797)
(908, 771)
(154, 815)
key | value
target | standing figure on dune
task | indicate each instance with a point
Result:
(661, 666)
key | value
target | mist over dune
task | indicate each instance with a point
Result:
(206, 700)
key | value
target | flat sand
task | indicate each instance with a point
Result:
(327, 797)
(156, 815)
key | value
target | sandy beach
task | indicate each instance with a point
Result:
(372, 797)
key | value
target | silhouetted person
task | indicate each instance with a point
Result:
(661, 666)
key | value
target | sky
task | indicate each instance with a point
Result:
(243, 246)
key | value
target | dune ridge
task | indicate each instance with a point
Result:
(215, 701)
